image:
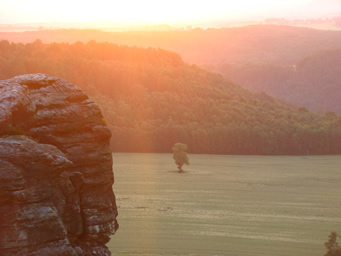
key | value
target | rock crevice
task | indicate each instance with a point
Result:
(56, 175)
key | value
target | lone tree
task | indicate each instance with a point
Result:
(180, 155)
(332, 245)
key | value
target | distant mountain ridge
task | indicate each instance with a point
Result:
(274, 44)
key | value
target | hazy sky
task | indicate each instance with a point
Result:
(127, 12)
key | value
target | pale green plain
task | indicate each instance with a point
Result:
(226, 205)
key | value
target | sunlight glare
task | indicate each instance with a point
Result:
(145, 12)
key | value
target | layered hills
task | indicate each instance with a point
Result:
(276, 44)
(314, 81)
(152, 99)
(283, 61)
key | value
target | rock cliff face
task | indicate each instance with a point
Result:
(56, 175)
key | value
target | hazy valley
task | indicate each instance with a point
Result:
(299, 65)
(245, 93)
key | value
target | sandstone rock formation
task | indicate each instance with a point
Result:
(56, 175)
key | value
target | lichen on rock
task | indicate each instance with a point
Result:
(56, 175)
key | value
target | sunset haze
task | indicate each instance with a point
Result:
(204, 13)
(221, 120)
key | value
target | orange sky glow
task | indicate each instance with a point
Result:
(129, 12)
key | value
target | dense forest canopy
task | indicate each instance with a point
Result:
(313, 81)
(151, 99)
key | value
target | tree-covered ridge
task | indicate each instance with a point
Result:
(276, 44)
(314, 81)
(151, 99)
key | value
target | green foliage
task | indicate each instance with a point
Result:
(180, 155)
(333, 248)
(151, 99)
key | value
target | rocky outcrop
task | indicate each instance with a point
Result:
(56, 175)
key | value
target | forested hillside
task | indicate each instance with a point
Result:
(274, 44)
(259, 57)
(314, 82)
(152, 99)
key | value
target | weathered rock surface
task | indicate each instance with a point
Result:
(56, 175)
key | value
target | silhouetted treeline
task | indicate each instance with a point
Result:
(276, 44)
(314, 82)
(151, 99)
